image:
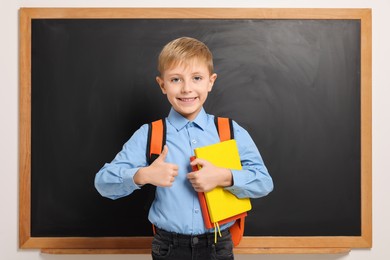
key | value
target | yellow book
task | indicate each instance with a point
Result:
(221, 203)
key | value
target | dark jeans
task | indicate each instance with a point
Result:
(172, 246)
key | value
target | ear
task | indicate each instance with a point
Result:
(160, 82)
(213, 78)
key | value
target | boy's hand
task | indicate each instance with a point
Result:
(209, 176)
(159, 173)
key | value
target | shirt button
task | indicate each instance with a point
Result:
(196, 211)
(193, 141)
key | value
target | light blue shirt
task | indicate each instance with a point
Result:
(176, 209)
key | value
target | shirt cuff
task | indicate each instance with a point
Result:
(239, 180)
(128, 179)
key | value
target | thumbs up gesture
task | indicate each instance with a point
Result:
(159, 173)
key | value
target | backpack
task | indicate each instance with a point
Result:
(155, 144)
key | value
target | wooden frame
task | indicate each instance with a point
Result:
(138, 245)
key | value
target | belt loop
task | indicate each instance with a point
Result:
(175, 239)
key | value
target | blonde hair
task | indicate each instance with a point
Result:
(182, 50)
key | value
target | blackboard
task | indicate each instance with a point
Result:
(295, 84)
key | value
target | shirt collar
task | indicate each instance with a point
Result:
(178, 121)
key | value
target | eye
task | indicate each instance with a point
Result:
(175, 80)
(198, 78)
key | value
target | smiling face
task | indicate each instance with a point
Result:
(187, 86)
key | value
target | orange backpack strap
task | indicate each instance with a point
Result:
(156, 140)
(237, 231)
(155, 144)
(225, 128)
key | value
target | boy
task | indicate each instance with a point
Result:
(186, 78)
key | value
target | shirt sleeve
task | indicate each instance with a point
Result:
(254, 180)
(116, 179)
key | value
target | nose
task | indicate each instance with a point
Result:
(186, 87)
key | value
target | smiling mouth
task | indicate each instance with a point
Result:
(187, 99)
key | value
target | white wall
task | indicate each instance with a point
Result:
(9, 119)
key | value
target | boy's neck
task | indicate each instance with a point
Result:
(193, 116)
(185, 117)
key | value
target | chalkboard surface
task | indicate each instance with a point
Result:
(295, 86)
(301, 87)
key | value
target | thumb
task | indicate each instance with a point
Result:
(199, 162)
(164, 153)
